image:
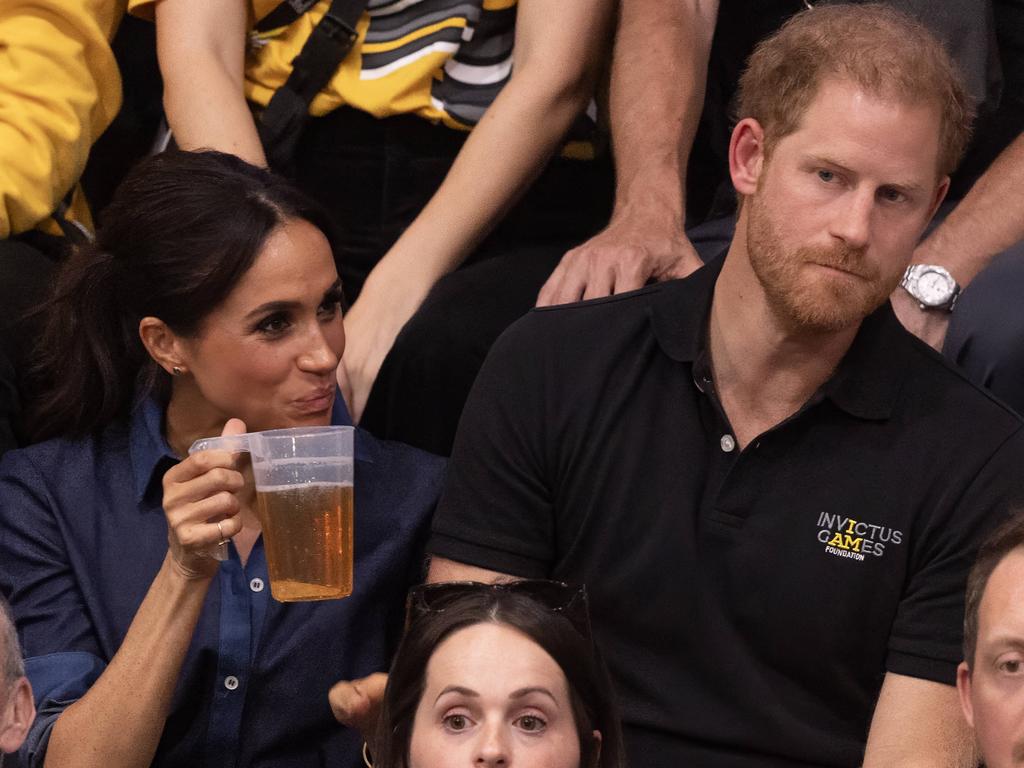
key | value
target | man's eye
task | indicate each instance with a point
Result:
(826, 176)
(531, 723)
(891, 195)
(456, 722)
(1011, 666)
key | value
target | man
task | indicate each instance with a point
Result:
(17, 709)
(991, 677)
(979, 244)
(771, 490)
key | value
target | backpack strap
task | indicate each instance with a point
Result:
(285, 13)
(280, 124)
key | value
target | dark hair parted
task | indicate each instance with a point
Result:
(883, 51)
(1004, 540)
(590, 691)
(181, 230)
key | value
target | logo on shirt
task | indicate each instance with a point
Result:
(855, 539)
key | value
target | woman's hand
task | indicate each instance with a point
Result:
(201, 506)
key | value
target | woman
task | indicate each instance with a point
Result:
(209, 296)
(387, 149)
(498, 674)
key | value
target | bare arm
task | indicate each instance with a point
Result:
(201, 50)
(987, 221)
(918, 723)
(442, 569)
(659, 70)
(557, 57)
(118, 723)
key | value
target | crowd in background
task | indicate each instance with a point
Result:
(191, 196)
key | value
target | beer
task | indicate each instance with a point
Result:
(307, 533)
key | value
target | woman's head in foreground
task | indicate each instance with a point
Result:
(488, 675)
(211, 281)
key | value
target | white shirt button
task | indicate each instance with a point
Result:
(231, 682)
(728, 443)
(256, 585)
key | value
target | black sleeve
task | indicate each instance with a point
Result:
(496, 510)
(927, 634)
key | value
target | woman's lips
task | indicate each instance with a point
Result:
(320, 400)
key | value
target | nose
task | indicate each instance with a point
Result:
(492, 747)
(852, 221)
(322, 351)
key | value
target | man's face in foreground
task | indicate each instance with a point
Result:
(840, 204)
(992, 689)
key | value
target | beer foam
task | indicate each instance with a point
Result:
(300, 486)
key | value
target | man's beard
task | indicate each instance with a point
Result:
(804, 302)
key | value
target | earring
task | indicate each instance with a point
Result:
(175, 371)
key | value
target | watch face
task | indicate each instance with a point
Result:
(933, 289)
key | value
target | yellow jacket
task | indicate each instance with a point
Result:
(59, 90)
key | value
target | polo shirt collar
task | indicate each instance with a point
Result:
(866, 382)
(680, 310)
(870, 376)
(150, 451)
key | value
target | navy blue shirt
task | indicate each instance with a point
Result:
(83, 534)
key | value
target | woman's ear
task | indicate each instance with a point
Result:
(163, 345)
(746, 155)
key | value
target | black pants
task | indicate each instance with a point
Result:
(375, 176)
(27, 265)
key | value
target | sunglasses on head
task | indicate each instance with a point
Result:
(556, 596)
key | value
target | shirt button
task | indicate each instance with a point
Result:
(256, 585)
(728, 443)
(231, 682)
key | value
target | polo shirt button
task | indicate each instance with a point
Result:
(231, 682)
(256, 585)
(728, 443)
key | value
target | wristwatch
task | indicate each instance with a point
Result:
(931, 285)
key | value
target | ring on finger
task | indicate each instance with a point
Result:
(220, 528)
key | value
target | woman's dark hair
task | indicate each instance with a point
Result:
(590, 692)
(180, 232)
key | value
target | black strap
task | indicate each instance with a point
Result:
(285, 13)
(280, 124)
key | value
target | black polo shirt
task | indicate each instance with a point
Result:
(748, 602)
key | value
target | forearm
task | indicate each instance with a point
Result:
(213, 115)
(201, 50)
(118, 723)
(987, 221)
(918, 724)
(659, 69)
(501, 157)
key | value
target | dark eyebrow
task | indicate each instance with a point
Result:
(271, 307)
(458, 689)
(905, 187)
(1005, 642)
(334, 293)
(520, 693)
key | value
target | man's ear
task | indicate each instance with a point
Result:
(20, 712)
(163, 345)
(746, 155)
(963, 687)
(940, 195)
